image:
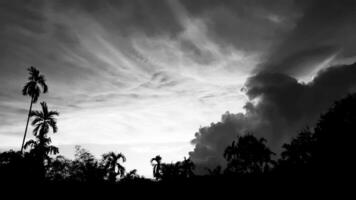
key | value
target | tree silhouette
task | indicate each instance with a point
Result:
(248, 155)
(335, 139)
(85, 168)
(298, 155)
(187, 167)
(36, 83)
(214, 172)
(112, 165)
(170, 171)
(60, 169)
(41, 148)
(131, 175)
(157, 170)
(328, 150)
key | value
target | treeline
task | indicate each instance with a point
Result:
(322, 152)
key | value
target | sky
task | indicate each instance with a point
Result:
(178, 78)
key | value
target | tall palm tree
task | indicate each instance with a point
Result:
(113, 166)
(36, 83)
(157, 166)
(41, 148)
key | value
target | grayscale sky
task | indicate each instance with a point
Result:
(142, 77)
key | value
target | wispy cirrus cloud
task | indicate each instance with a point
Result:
(117, 79)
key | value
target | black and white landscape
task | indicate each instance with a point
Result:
(182, 91)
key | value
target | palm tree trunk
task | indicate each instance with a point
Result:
(28, 119)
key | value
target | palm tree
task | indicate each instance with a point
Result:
(113, 166)
(44, 120)
(36, 83)
(157, 166)
(41, 148)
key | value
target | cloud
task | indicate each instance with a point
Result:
(324, 29)
(252, 26)
(279, 106)
(120, 71)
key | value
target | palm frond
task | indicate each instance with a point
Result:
(42, 82)
(121, 170)
(53, 124)
(36, 113)
(44, 108)
(53, 113)
(25, 88)
(53, 150)
(35, 121)
(34, 73)
(35, 93)
(122, 156)
(35, 130)
(31, 143)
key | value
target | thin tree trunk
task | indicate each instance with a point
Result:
(28, 119)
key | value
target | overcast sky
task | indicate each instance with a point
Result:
(142, 77)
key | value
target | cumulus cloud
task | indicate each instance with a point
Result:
(279, 106)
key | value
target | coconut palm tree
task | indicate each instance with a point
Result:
(113, 166)
(41, 147)
(35, 85)
(43, 121)
(157, 166)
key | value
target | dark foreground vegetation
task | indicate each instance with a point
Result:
(319, 154)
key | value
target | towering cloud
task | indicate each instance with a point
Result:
(292, 85)
(279, 106)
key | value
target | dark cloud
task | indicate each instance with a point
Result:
(326, 27)
(279, 106)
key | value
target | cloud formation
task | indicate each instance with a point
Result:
(119, 72)
(278, 108)
(293, 83)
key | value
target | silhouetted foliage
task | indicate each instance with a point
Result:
(157, 169)
(187, 168)
(325, 151)
(60, 169)
(298, 154)
(41, 148)
(215, 172)
(112, 165)
(85, 168)
(36, 83)
(335, 136)
(248, 155)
